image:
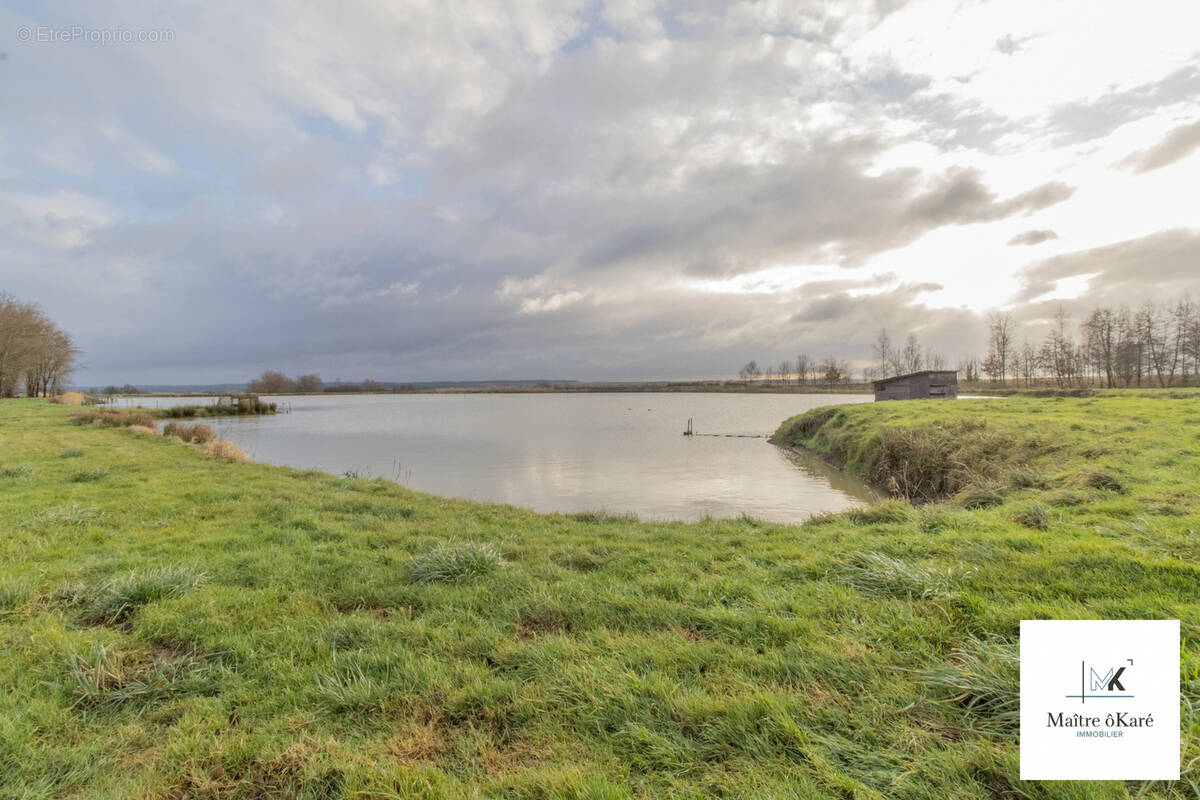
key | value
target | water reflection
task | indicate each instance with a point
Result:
(622, 453)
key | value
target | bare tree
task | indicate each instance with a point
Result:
(51, 360)
(1000, 344)
(34, 352)
(834, 371)
(272, 382)
(969, 368)
(309, 384)
(1154, 329)
(803, 365)
(785, 371)
(884, 353)
(911, 356)
(750, 372)
(1100, 342)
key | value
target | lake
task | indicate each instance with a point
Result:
(618, 452)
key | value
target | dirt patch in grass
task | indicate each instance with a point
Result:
(419, 743)
(541, 621)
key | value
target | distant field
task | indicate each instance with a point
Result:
(173, 626)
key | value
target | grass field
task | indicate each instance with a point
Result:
(173, 626)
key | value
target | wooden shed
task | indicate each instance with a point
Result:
(917, 385)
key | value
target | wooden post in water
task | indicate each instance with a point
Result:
(689, 430)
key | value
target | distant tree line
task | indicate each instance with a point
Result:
(1158, 344)
(128, 388)
(892, 359)
(36, 356)
(273, 382)
(803, 371)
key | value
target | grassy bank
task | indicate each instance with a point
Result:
(172, 625)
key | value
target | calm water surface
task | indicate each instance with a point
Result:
(621, 453)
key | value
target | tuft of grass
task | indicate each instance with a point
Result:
(87, 475)
(1028, 478)
(74, 515)
(935, 519)
(14, 593)
(106, 678)
(1105, 480)
(601, 517)
(114, 602)
(225, 450)
(13, 471)
(1066, 498)
(68, 399)
(983, 495)
(143, 430)
(198, 433)
(884, 576)
(71, 452)
(454, 563)
(983, 677)
(889, 511)
(348, 688)
(1033, 516)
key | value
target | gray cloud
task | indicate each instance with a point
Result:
(1176, 145)
(1161, 266)
(1092, 119)
(1032, 237)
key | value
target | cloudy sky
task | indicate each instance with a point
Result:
(424, 190)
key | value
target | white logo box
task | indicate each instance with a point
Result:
(1100, 700)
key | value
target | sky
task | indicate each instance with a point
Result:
(431, 190)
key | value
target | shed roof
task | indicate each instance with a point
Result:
(894, 378)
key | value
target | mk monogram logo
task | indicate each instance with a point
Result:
(1107, 682)
(1100, 685)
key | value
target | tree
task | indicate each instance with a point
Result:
(371, 386)
(785, 369)
(35, 354)
(1155, 331)
(1100, 342)
(834, 371)
(910, 357)
(883, 353)
(309, 384)
(749, 372)
(271, 382)
(1000, 345)
(18, 331)
(969, 367)
(803, 365)
(52, 358)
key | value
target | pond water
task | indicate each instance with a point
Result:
(619, 452)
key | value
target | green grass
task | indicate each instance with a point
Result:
(187, 627)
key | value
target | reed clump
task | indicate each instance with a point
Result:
(198, 433)
(225, 450)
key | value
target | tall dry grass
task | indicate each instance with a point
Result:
(225, 450)
(68, 399)
(195, 434)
